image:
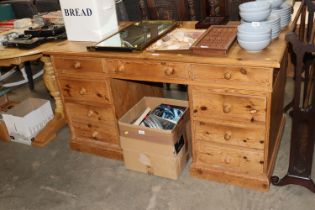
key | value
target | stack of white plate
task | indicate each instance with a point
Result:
(274, 3)
(255, 11)
(274, 21)
(253, 37)
(285, 12)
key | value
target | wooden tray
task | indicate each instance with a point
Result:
(217, 40)
(179, 40)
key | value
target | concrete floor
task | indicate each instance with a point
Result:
(56, 177)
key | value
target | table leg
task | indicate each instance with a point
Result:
(29, 74)
(49, 132)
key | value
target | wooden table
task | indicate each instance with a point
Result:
(235, 103)
(14, 56)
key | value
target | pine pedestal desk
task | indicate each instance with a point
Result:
(235, 103)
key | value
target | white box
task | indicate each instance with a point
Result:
(26, 119)
(91, 20)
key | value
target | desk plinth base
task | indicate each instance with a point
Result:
(49, 132)
(100, 150)
(259, 182)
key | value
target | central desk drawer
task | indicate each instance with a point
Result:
(241, 160)
(95, 92)
(147, 70)
(81, 66)
(240, 135)
(228, 107)
(257, 78)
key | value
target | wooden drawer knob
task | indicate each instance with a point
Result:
(253, 111)
(227, 135)
(169, 71)
(243, 71)
(120, 69)
(95, 134)
(90, 113)
(227, 75)
(227, 108)
(77, 65)
(82, 91)
(227, 160)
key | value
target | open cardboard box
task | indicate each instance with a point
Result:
(128, 130)
(155, 151)
(26, 119)
(154, 158)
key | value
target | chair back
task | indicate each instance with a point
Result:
(167, 9)
(301, 41)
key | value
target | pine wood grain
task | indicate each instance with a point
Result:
(249, 109)
(230, 76)
(95, 92)
(241, 135)
(256, 182)
(95, 148)
(147, 70)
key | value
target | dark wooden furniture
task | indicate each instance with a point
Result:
(221, 8)
(212, 8)
(303, 113)
(217, 12)
(167, 9)
(232, 8)
(212, 12)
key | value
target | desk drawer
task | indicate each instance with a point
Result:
(229, 75)
(82, 66)
(147, 70)
(240, 135)
(241, 160)
(228, 107)
(96, 114)
(95, 92)
(95, 132)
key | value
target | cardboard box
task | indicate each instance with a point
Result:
(154, 158)
(91, 20)
(170, 137)
(27, 118)
(155, 151)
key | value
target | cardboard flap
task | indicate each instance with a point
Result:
(27, 106)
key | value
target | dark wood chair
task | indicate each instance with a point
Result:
(167, 9)
(301, 41)
(232, 8)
